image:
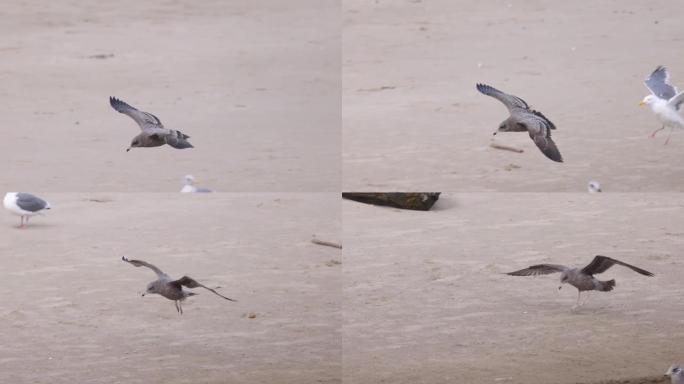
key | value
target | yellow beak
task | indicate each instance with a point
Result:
(641, 103)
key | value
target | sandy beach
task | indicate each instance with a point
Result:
(414, 121)
(432, 304)
(72, 310)
(256, 84)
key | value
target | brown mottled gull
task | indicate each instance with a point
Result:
(153, 132)
(524, 119)
(582, 279)
(170, 288)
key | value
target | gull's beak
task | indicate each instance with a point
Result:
(128, 149)
(641, 103)
(142, 294)
(494, 134)
(559, 287)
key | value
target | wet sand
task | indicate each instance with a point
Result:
(72, 310)
(431, 303)
(256, 84)
(414, 121)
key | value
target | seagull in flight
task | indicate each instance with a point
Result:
(170, 288)
(664, 101)
(153, 132)
(524, 119)
(582, 279)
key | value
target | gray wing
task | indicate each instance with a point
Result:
(146, 121)
(539, 128)
(140, 263)
(511, 102)
(658, 85)
(192, 283)
(202, 190)
(677, 100)
(602, 263)
(28, 202)
(539, 269)
(177, 139)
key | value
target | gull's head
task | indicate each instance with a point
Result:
(563, 279)
(189, 179)
(134, 143)
(648, 100)
(594, 187)
(151, 289)
(676, 373)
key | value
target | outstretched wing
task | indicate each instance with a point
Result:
(547, 146)
(511, 102)
(539, 269)
(539, 128)
(146, 121)
(192, 283)
(178, 140)
(657, 83)
(677, 100)
(602, 263)
(140, 263)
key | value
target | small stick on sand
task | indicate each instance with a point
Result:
(326, 243)
(506, 148)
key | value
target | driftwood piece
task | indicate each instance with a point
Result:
(419, 201)
(326, 243)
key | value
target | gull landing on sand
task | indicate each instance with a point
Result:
(524, 119)
(582, 279)
(170, 288)
(153, 132)
(24, 205)
(676, 374)
(664, 101)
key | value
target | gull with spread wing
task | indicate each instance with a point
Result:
(664, 101)
(153, 132)
(168, 287)
(582, 279)
(524, 119)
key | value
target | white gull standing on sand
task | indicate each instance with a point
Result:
(664, 101)
(189, 186)
(24, 205)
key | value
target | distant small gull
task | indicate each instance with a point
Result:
(189, 186)
(153, 132)
(524, 119)
(594, 187)
(676, 374)
(24, 205)
(664, 101)
(169, 288)
(582, 279)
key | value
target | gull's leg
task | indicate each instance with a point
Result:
(180, 305)
(668, 136)
(657, 130)
(577, 304)
(21, 225)
(586, 298)
(177, 307)
(27, 218)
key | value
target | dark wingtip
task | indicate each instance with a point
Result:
(482, 87)
(124, 258)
